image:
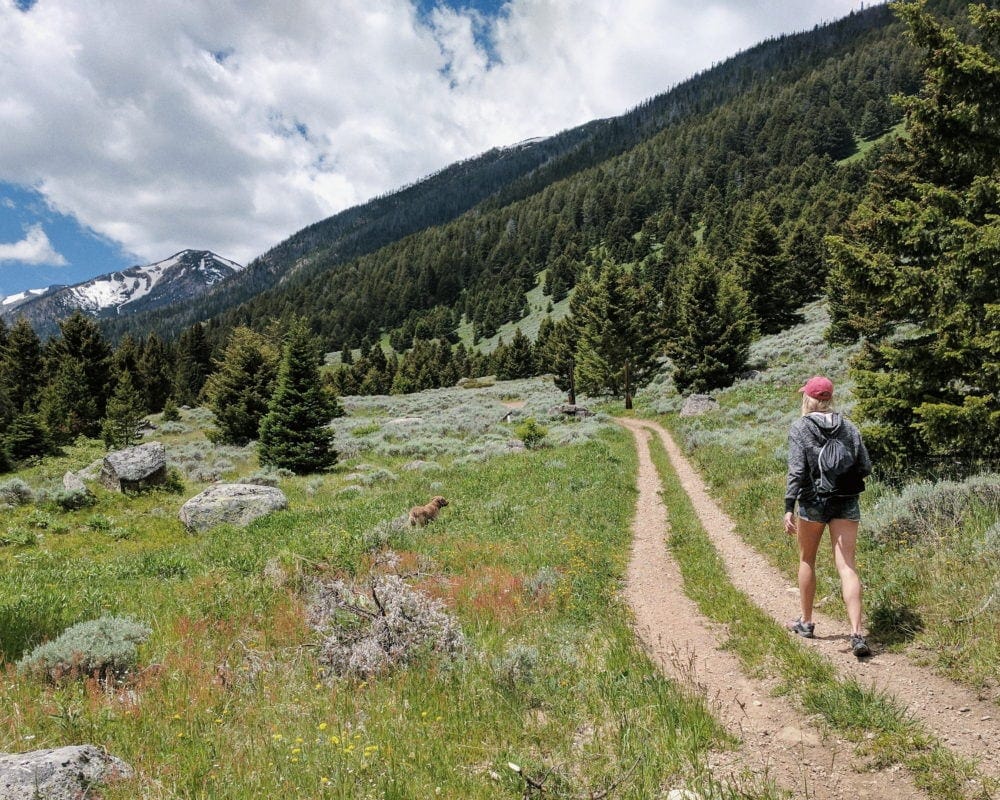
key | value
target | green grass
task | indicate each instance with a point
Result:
(231, 702)
(864, 146)
(538, 303)
(884, 733)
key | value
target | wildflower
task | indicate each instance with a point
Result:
(299, 740)
(277, 737)
(324, 780)
(296, 750)
(334, 740)
(177, 716)
(322, 726)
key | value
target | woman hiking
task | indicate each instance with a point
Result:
(827, 464)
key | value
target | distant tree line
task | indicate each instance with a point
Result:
(76, 384)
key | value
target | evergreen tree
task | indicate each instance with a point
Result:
(125, 412)
(922, 252)
(557, 355)
(82, 343)
(25, 438)
(516, 360)
(239, 391)
(711, 342)
(765, 274)
(293, 433)
(419, 369)
(21, 365)
(194, 365)
(126, 358)
(619, 346)
(66, 411)
(155, 371)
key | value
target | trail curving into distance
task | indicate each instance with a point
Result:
(961, 720)
(776, 741)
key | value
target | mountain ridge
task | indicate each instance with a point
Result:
(182, 277)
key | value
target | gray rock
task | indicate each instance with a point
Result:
(64, 773)
(698, 404)
(572, 411)
(92, 470)
(135, 468)
(72, 483)
(231, 503)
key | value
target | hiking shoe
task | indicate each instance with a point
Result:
(803, 629)
(859, 646)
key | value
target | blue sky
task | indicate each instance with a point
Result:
(134, 130)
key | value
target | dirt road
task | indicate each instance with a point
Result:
(776, 741)
(952, 712)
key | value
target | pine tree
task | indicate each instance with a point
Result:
(25, 438)
(922, 252)
(711, 342)
(155, 371)
(516, 360)
(293, 433)
(65, 410)
(766, 275)
(21, 367)
(619, 346)
(239, 391)
(82, 343)
(125, 412)
(556, 354)
(194, 365)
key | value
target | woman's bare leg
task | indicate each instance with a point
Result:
(809, 535)
(844, 538)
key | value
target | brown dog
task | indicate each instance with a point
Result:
(421, 515)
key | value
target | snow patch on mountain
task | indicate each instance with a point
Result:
(118, 289)
(10, 299)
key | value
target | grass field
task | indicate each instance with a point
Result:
(231, 701)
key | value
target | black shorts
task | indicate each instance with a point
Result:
(823, 510)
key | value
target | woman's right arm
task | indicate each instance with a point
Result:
(797, 470)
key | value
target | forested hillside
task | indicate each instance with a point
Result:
(767, 126)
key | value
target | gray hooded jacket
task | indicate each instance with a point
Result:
(807, 436)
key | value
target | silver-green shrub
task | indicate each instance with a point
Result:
(924, 510)
(516, 667)
(387, 625)
(15, 492)
(106, 647)
(542, 582)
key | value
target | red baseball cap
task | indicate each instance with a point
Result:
(818, 387)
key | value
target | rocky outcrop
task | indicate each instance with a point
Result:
(231, 503)
(63, 773)
(72, 483)
(135, 468)
(697, 404)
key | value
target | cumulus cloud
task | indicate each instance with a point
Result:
(231, 124)
(34, 249)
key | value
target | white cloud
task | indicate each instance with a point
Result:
(231, 124)
(34, 249)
